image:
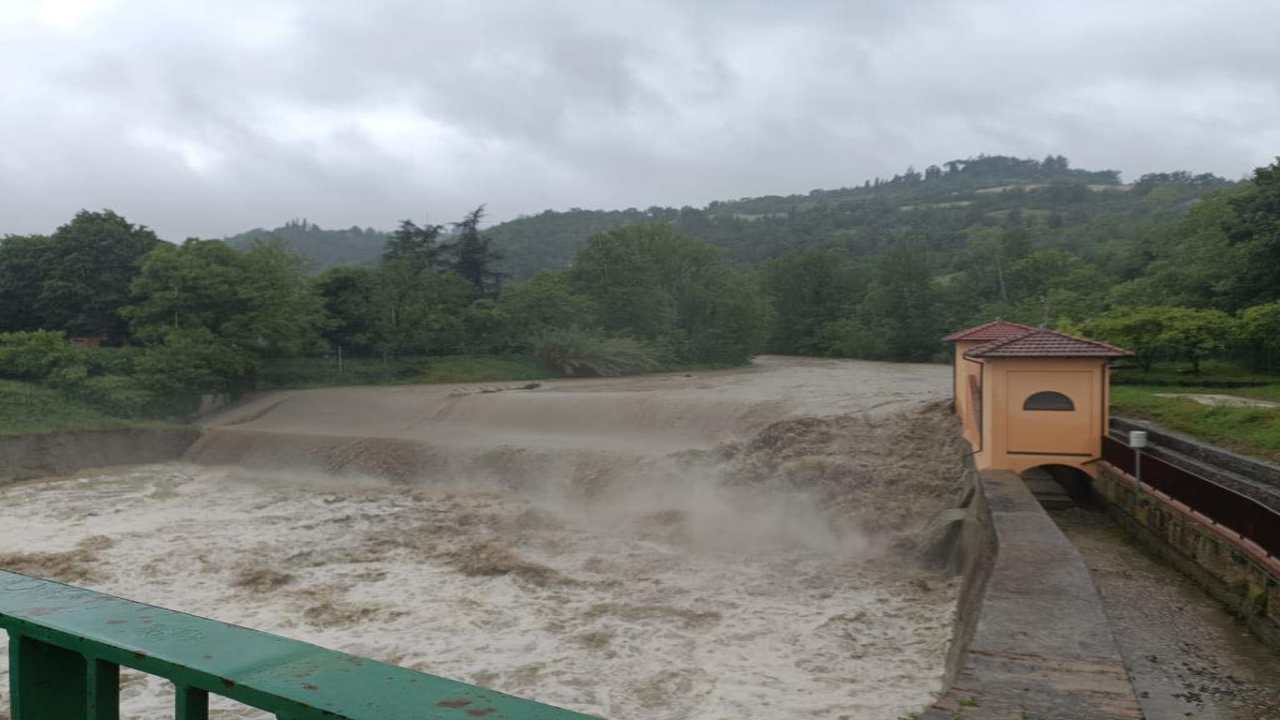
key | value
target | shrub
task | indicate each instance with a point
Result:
(580, 353)
(194, 361)
(1259, 335)
(40, 356)
(111, 360)
(123, 397)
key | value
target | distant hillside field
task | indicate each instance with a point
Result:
(1060, 206)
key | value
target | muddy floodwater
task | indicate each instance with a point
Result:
(713, 545)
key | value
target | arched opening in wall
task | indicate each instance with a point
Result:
(1059, 486)
(1049, 400)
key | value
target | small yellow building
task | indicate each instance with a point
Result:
(1029, 396)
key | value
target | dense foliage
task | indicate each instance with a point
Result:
(1176, 266)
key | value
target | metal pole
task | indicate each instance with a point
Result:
(1137, 440)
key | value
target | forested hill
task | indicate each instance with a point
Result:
(942, 205)
(322, 248)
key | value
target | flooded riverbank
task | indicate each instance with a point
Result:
(764, 569)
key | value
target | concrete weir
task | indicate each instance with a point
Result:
(731, 543)
(685, 546)
(35, 455)
(630, 529)
(1031, 637)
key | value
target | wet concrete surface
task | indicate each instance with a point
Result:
(1188, 657)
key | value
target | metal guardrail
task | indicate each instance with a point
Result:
(1222, 505)
(67, 645)
(1252, 469)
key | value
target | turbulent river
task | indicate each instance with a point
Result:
(714, 545)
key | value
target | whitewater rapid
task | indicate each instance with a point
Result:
(761, 578)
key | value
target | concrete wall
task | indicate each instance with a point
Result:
(1031, 639)
(1229, 567)
(23, 457)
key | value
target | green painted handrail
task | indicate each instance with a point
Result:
(67, 644)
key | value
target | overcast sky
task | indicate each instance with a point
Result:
(241, 114)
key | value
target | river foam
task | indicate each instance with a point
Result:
(763, 575)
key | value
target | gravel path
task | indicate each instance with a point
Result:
(1188, 657)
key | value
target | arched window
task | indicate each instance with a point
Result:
(1048, 400)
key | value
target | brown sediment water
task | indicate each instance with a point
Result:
(707, 545)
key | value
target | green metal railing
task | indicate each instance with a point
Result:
(67, 645)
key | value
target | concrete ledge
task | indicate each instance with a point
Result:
(1039, 646)
(1228, 566)
(23, 457)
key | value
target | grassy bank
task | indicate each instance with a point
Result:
(28, 408)
(1249, 430)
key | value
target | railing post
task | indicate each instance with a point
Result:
(190, 703)
(46, 682)
(104, 690)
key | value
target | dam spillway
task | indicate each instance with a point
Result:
(679, 546)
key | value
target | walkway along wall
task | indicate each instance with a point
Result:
(1228, 566)
(1031, 638)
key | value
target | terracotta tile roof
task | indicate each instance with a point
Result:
(986, 332)
(1046, 343)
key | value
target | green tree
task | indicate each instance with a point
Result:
(472, 255)
(900, 312)
(418, 311)
(259, 301)
(191, 361)
(543, 303)
(1196, 334)
(349, 295)
(287, 314)
(650, 282)
(42, 356)
(634, 274)
(1193, 262)
(1140, 329)
(195, 284)
(91, 263)
(413, 245)
(1165, 333)
(808, 290)
(1259, 333)
(24, 260)
(1256, 228)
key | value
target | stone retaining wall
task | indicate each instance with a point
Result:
(1229, 567)
(23, 457)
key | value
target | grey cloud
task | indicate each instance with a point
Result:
(206, 122)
